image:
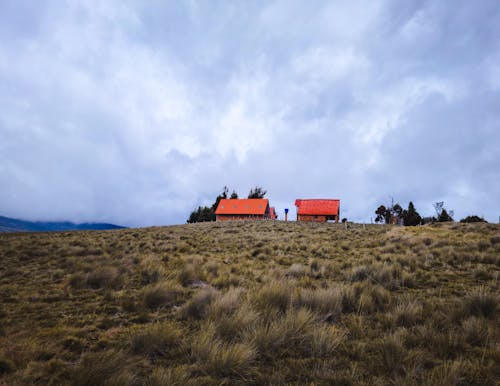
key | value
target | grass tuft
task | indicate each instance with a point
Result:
(198, 307)
(481, 302)
(105, 368)
(220, 359)
(276, 295)
(158, 295)
(157, 340)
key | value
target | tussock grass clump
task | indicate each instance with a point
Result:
(177, 376)
(480, 302)
(365, 298)
(390, 277)
(390, 355)
(297, 270)
(221, 359)
(6, 366)
(35, 372)
(448, 373)
(105, 368)
(276, 295)
(157, 340)
(103, 277)
(191, 273)
(152, 270)
(227, 303)
(324, 301)
(475, 331)
(100, 277)
(326, 340)
(232, 327)
(198, 306)
(443, 342)
(284, 335)
(407, 312)
(158, 295)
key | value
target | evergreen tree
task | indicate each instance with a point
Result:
(411, 216)
(202, 214)
(381, 213)
(234, 195)
(257, 192)
(206, 213)
(444, 216)
(221, 196)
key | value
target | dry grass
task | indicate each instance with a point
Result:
(252, 303)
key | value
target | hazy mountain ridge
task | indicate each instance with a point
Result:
(14, 225)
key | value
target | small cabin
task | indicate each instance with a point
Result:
(318, 210)
(243, 209)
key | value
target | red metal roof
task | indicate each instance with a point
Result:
(318, 207)
(255, 206)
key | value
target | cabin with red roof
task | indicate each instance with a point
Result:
(243, 209)
(318, 210)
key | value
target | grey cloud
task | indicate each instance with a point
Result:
(136, 113)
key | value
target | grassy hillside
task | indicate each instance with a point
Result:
(252, 303)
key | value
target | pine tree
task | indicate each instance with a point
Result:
(411, 216)
(257, 192)
(444, 216)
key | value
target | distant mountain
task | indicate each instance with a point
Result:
(13, 225)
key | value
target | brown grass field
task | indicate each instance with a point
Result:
(252, 303)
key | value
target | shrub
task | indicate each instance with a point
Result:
(159, 295)
(157, 340)
(472, 218)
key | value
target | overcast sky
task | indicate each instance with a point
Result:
(136, 112)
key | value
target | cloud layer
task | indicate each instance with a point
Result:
(135, 113)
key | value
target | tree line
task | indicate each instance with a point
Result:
(395, 214)
(207, 213)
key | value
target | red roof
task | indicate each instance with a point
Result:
(272, 213)
(317, 207)
(256, 206)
